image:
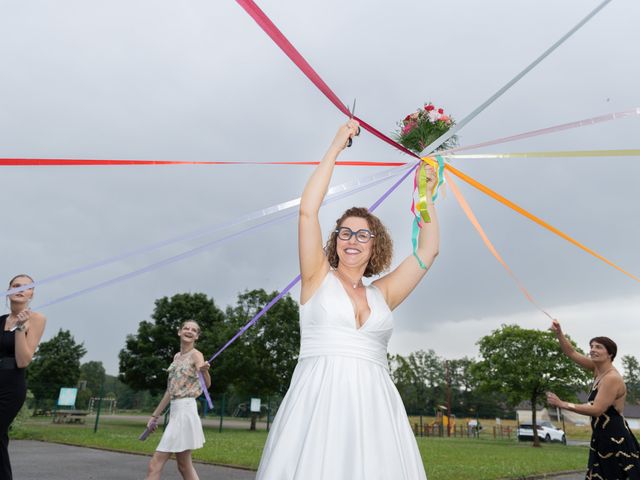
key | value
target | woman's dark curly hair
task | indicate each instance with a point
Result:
(382, 250)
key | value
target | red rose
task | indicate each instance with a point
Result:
(440, 111)
(429, 107)
(406, 119)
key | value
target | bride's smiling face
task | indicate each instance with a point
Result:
(354, 252)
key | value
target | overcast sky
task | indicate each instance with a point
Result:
(199, 80)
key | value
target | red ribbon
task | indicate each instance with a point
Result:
(44, 162)
(290, 51)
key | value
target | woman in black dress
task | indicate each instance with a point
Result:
(20, 333)
(614, 452)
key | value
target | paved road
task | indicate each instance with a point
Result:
(39, 460)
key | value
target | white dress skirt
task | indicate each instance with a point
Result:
(342, 418)
(184, 431)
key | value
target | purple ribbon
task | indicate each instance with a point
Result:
(203, 384)
(291, 284)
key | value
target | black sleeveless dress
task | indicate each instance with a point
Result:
(13, 391)
(614, 452)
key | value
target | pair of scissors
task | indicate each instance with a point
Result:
(351, 114)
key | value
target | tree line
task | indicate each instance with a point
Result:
(514, 364)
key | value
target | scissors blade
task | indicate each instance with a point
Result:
(351, 114)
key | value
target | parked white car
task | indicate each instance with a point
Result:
(546, 431)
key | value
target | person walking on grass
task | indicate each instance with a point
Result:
(184, 432)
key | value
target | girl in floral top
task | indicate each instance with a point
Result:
(184, 432)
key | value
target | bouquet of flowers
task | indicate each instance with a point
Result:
(419, 129)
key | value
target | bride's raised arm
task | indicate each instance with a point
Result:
(399, 283)
(313, 264)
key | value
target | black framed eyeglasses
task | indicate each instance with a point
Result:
(362, 236)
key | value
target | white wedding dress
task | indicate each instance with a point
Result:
(342, 418)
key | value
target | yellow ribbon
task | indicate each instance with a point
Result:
(553, 154)
(422, 195)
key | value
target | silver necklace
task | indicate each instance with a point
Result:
(353, 284)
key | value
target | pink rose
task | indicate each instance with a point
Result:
(445, 118)
(407, 128)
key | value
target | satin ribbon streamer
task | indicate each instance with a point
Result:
(514, 80)
(634, 112)
(551, 154)
(448, 153)
(334, 193)
(194, 251)
(284, 44)
(292, 283)
(422, 214)
(476, 224)
(496, 196)
(263, 21)
(65, 162)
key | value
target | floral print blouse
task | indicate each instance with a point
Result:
(183, 379)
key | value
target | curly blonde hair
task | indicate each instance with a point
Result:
(382, 250)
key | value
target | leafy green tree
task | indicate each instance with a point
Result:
(261, 361)
(264, 357)
(419, 378)
(524, 364)
(55, 365)
(467, 398)
(632, 377)
(94, 374)
(405, 381)
(124, 395)
(146, 356)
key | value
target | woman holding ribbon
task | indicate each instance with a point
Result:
(20, 334)
(614, 452)
(342, 417)
(184, 432)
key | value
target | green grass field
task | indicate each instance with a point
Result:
(445, 458)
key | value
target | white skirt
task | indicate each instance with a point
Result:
(342, 419)
(184, 431)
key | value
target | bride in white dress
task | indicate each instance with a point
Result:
(342, 418)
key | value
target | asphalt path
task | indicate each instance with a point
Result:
(40, 460)
(51, 461)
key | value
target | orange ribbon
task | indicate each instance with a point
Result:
(474, 221)
(496, 196)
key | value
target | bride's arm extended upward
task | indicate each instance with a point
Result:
(399, 283)
(313, 263)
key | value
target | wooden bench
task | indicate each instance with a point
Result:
(69, 416)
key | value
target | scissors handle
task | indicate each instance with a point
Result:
(350, 141)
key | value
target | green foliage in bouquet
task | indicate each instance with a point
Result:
(421, 128)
